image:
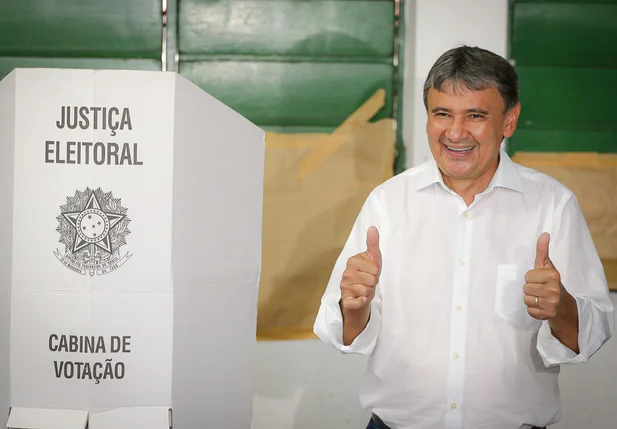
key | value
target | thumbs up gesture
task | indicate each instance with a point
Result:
(362, 274)
(543, 289)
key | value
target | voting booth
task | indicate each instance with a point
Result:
(130, 252)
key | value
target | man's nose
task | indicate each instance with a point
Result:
(456, 130)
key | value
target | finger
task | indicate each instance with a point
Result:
(542, 275)
(542, 259)
(358, 290)
(353, 303)
(359, 263)
(372, 245)
(530, 301)
(351, 277)
(535, 289)
(538, 313)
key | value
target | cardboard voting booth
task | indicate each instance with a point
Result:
(130, 251)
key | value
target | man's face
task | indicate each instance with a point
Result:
(465, 129)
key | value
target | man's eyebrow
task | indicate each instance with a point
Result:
(468, 111)
(477, 110)
(440, 109)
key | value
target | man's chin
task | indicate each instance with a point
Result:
(457, 169)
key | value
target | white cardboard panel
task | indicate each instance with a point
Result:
(7, 130)
(131, 418)
(213, 374)
(5, 323)
(176, 283)
(44, 372)
(217, 255)
(137, 329)
(42, 187)
(217, 232)
(33, 418)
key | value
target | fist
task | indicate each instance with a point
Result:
(543, 289)
(362, 274)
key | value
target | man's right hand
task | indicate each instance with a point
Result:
(361, 275)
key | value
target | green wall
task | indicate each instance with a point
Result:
(566, 55)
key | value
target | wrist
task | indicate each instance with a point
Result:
(564, 326)
(357, 318)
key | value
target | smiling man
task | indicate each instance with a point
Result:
(468, 279)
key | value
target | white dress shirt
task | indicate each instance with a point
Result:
(450, 341)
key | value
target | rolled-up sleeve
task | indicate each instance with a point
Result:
(329, 327)
(573, 252)
(328, 324)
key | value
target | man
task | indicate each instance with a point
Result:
(468, 279)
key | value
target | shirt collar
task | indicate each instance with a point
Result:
(506, 176)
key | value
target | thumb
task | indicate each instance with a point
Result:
(372, 245)
(542, 258)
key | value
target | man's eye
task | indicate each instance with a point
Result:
(476, 116)
(442, 114)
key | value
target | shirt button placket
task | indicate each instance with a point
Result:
(458, 327)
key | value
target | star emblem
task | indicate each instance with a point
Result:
(92, 225)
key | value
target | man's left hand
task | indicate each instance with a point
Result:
(543, 289)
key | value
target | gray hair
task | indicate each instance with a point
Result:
(475, 69)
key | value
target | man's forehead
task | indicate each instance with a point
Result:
(461, 94)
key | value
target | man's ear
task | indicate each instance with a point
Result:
(511, 120)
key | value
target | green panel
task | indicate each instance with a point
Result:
(560, 140)
(278, 93)
(565, 1)
(287, 27)
(580, 34)
(7, 64)
(84, 28)
(568, 98)
(400, 155)
(294, 129)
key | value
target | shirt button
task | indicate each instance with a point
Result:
(456, 355)
(462, 262)
(453, 406)
(465, 214)
(459, 308)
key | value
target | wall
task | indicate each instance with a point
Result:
(589, 391)
(305, 384)
(436, 27)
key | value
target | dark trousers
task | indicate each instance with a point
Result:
(376, 423)
(372, 424)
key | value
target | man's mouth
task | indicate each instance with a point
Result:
(460, 149)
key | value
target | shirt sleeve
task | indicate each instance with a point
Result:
(574, 254)
(328, 325)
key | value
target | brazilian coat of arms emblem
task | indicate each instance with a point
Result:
(93, 226)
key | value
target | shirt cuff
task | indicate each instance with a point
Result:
(329, 327)
(554, 352)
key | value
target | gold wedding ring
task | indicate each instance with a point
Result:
(537, 302)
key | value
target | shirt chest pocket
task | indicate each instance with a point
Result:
(509, 304)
